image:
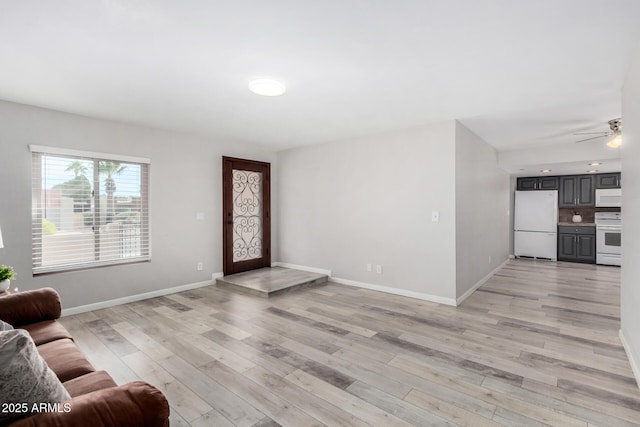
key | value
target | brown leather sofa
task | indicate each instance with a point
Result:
(96, 400)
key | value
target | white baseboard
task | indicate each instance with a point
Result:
(301, 267)
(138, 297)
(480, 282)
(512, 256)
(396, 291)
(635, 367)
(215, 276)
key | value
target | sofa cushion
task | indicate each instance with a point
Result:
(64, 358)
(133, 404)
(46, 331)
(89, 382)
(25, 378)
(4, 326)
(27, 307)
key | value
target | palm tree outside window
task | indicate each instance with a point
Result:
(110, 169)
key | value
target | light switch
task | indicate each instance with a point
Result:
(435, 216)
(200, 215)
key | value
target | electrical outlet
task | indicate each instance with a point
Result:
(369, 267)
(200, 216)
(489, 259)
(199, 266)
(435, 216)
(379, 269)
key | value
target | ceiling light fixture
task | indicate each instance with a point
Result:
(615, 142)
(267, 87)
(545, 170)
(595, 164)
(592, 171)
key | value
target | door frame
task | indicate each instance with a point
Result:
(228, 164)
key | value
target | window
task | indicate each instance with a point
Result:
(88, 209)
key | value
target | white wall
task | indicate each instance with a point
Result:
(185, 179)
(630, 288)
(369, 200)
(482, 202)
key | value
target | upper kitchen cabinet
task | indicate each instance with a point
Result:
(576, 191)
(538, 183)
(567, 194)
(608, 180)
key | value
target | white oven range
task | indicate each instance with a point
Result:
(608, 238)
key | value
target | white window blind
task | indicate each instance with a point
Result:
(88, 209)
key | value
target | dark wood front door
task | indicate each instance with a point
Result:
(246, 203)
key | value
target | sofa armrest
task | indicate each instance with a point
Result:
(133, 404)
(27, 307)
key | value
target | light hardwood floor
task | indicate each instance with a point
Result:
(536, 345)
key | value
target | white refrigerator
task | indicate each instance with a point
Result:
(535, 226)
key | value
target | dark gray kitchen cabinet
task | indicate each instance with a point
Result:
(608, 180)
(576, 191)
(577, 244)
(566, 247)
(538, 183)
(585, 190)
(548, 183)
(525, 184)
(567, 194)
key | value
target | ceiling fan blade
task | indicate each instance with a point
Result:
(593, 137)
(590, 133)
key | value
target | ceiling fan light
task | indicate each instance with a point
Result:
(615, 142)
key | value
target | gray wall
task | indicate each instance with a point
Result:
(369, 200)
(185, 179)
(482, 203)
(630, 288)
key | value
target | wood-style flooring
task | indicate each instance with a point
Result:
(536, 345)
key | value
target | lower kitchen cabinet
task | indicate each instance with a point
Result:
(577, 244)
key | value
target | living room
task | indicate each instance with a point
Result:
(342, 198)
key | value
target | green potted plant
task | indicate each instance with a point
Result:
(6, 275)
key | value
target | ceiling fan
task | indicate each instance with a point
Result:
(616, 130)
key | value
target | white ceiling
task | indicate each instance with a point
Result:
(518, 73)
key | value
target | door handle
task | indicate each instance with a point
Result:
(230, 222)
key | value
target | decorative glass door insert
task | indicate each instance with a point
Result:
(247, 215)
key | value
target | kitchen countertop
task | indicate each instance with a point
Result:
(577, 224)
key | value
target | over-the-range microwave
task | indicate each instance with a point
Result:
(609, 197)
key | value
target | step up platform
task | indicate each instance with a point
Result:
(267, 282)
